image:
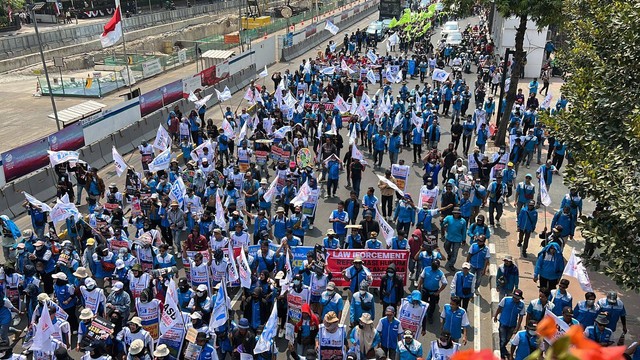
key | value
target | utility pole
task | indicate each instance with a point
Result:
(35, 7)
(503, 80)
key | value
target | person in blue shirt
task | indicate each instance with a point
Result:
(395, 146)
(468, 128)
(356, 274)
(455, 321)
(373, 242)
(478, 257)
(340, 219)
(431, 283)
(587, 310)
(549, 266)
(463, 285)
(331, 241)
(454, 226)
(524, 342)
(561, 297)
(379, 142)
(390, 332)
(599, 331)
(477, 229)
(525, 192)
(405, 214)
(207, 350)
(432, 135)
(369, 201)
(185, 294)
(362, 302)
(537, 307)
(546, 171)
(333, 166)
(482, 136)
(507, 277)
(417, 137)
(331, 301)
(527, 221)
(563, 218)
(510, 313)
(497, 193)
(279, 224)
(399, 242)
(559, 151)
(615, 310)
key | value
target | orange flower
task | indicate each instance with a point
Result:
(576, 335)
(470, 354)
(547, 327)
(600, 353)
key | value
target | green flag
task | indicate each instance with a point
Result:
(393, 23)
(405, 18)
(432, 7)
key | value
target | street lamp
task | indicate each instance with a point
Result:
(39, 6)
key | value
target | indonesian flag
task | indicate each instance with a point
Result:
(113, 29)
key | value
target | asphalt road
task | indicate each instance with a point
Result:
(480, 334)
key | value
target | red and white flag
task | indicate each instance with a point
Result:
(113, 29)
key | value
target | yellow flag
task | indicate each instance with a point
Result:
(89, 83)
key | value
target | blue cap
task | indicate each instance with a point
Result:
(416, 295)
(243, 324)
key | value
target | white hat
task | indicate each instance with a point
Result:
(466, 265)
(118, 285)
(60, 275)
(119, 264)
(136, 320)
(136, 347)
(195, 315)
(161, 350)
(202, 288)
(90, 282)
(86, 314)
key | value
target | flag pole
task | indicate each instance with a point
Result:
(124, 48)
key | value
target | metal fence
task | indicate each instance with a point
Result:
(89, 87)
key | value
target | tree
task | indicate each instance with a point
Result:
(602, 130)
(542, 13)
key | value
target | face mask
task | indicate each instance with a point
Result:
(91, 287)
(531, 332)
(199, 293)
(390, 274)
(363, 292)
(590, 303)
(442, 343)
(38, 247)
(296, 282)
(20, 251)
(330, 293)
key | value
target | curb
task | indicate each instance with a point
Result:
(495, 298)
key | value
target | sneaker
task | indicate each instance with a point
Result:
(519, 244)
(281, 333)
(311, 227)
(524, 255)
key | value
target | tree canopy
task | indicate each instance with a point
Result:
(602, 129)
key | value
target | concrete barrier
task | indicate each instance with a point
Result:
(43, 183)
(14, 196)
(92, 155)
(106, 145)
(5, 205)
(123, 138)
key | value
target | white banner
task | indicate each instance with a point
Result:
(220, 313)
(161, 162)
(264, 73)
(340, 104)
(575, 269)
(545, 199)
(391, 184)
(228, 129)
(271, 191)
(280, 133)
(245, 271)
(303, 194)
(371, 76)
(270, 329)
(178, 191)
(118, 161)
(202, 102)
(35, 202)
(63, 210)
(171, 315)
(163, 139)
(440, 75)
(224, 95)
(386, 230)
(372, 56)
(59, 157)
(44, 333)
(331, 27)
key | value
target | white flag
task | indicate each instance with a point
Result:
(171, 314)
(331, 27)
(300, 108)
(340, 104)
(372, 56)
(391, 185)
(281, 132)
(355, 153)
(220, 313)
(266, 338)
(371, 76)
(575, 269)
(161, 162)
(440, 75)
(332, 47)
(385, 230)
(224, 95)
(264, 73)
(35, 202)
(162, 140)
(202, 102)
(545, 199)
(219, 219)
(233, 268)
(228, 129)
(44, 334)
(118, 161)
(546, 104)
(394, 39)
(258, 97)
(250, 96)
(245, 271)
(192, 97)
(271, 191)
(63, 209)
(303, 194)
(328, 70)
(243, 131)
(354, 106)
(398, 120)
(59, 157)
(416, 120)
(345, 67)
(178, 191)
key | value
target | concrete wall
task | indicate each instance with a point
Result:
(534, 42)
(265, 52)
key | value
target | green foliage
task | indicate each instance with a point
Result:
(14, 4)
(602, 129)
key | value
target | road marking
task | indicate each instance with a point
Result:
(477, 345)
(345, 313)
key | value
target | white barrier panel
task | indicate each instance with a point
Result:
(265, 52)
(110, 120)
(241, 62)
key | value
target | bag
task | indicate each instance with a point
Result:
(108, 266)
(366, 306)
